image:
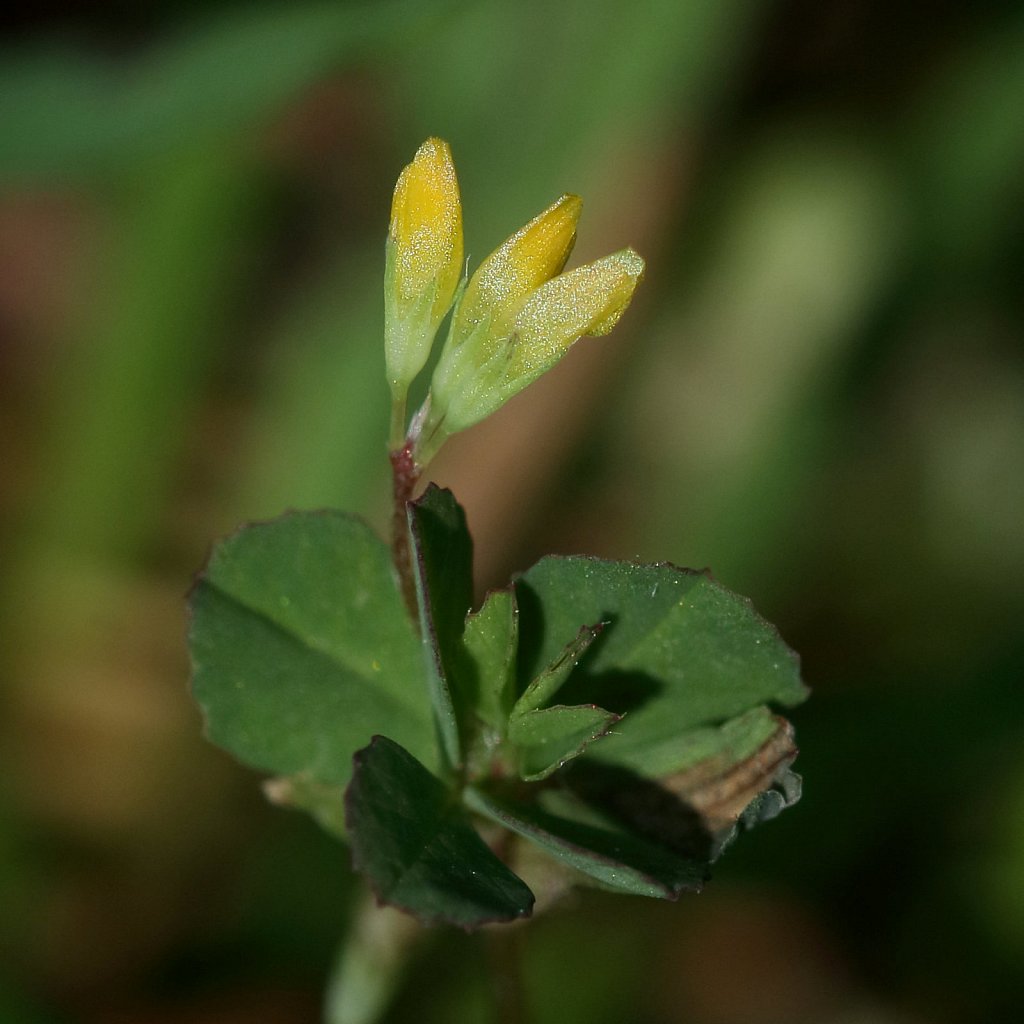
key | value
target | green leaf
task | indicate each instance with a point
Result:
(302, 649)
(741, 778)
(442, 553)
(613, 858)
(550, 681)
(549, 738)
(418, 850)
(680, 652)
(723, 745)
(490, 641)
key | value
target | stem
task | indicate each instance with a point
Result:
(504, 948)
(370, 964)
(405, 474)
(397, 419)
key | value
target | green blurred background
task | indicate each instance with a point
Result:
(819, 393)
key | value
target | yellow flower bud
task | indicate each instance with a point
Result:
(497, 352)
(586, 301)
(424, 260)
(518, 315)
(474, 356)
(533, 255)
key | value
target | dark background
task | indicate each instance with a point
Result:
(819, 392)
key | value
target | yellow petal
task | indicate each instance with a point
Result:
(423, 261)
(587, 300)
(426, 226)
(533, 255)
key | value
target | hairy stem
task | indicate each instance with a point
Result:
(405, 473)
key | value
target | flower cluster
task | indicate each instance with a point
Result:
(517, 316)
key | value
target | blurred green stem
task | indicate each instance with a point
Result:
(504, 952)
(370, 964)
